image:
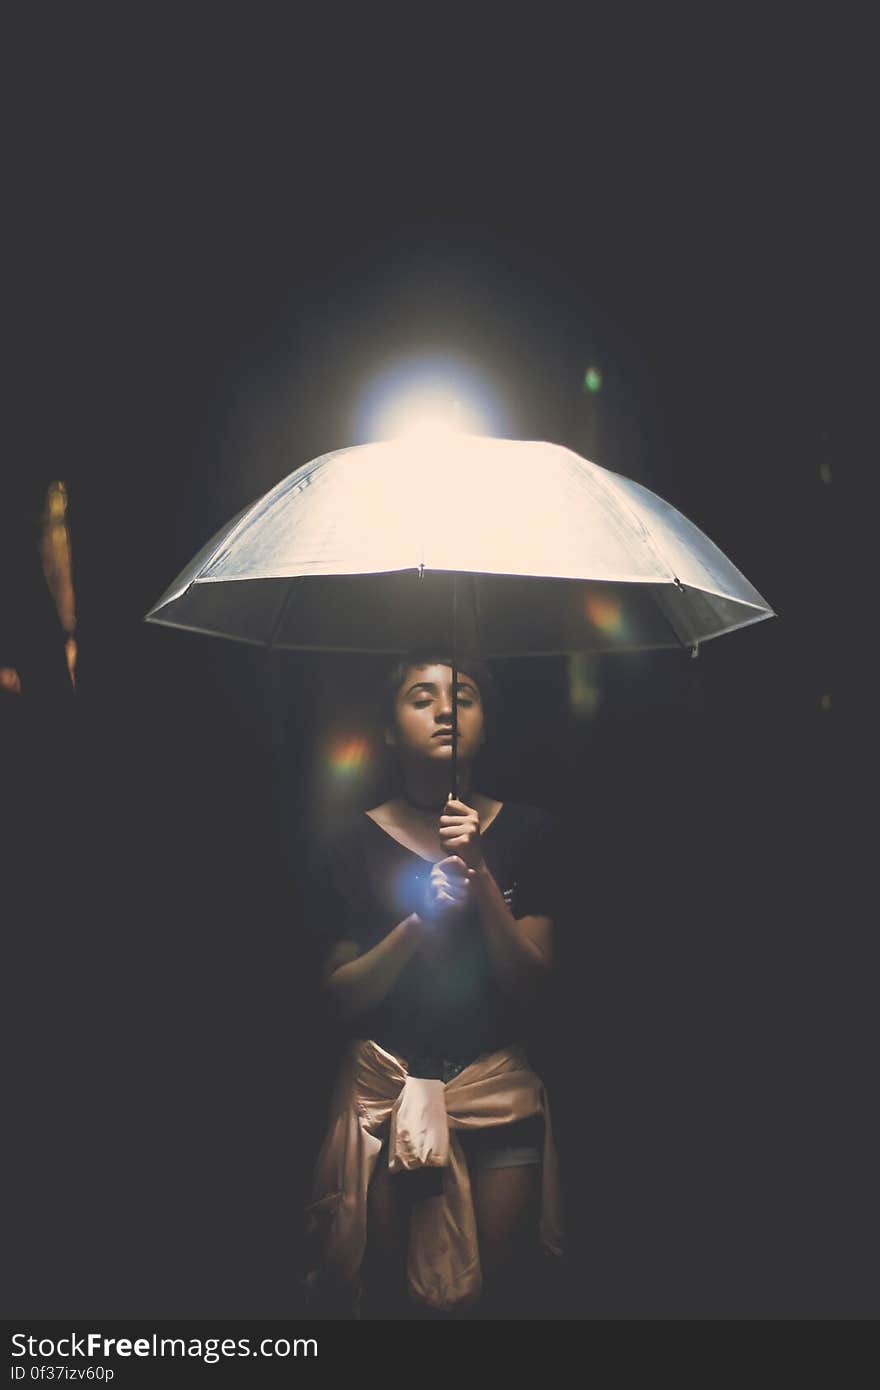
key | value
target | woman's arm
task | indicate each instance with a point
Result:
(521, 950)
(359, 981)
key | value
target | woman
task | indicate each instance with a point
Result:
(437, 919)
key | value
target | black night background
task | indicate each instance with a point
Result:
(216, 240)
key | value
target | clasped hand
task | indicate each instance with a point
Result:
(460, 833)
(448, 888)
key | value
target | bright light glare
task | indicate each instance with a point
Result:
(430, 398)
(428, 413)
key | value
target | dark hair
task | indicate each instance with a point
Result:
(466, 665)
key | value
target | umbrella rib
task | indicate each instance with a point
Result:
(247, 517)
(661, 607)
(640, 523)
(282, 614)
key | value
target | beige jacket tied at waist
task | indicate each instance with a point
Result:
(443, 1261)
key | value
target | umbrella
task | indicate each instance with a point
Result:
(508, 548)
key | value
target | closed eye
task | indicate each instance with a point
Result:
(462, 700)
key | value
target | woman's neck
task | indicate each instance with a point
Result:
(427, 791)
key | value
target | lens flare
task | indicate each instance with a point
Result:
(348, 755)
(592, 380)
(604, 612)
(408, 886)
(584, 692)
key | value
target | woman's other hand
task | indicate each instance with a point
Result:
(460, 833)
(447, 890)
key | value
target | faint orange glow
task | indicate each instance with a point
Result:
(70, 654)
(10, 680)
(603, 611)
(55, 553)
(825, 702)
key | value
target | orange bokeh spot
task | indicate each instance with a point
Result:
(603, 612)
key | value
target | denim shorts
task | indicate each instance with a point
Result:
(504, 1146)
(496, 1146)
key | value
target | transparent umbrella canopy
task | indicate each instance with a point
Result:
(502, 547)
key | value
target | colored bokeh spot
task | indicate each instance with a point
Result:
(592, 380)
(348, 754)
(584, 693)
(603, 612)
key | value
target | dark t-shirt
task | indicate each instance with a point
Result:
(367, 882)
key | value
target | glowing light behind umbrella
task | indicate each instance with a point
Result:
(433, 395)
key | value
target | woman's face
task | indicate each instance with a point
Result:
(423, 715)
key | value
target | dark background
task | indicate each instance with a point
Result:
(215, 236)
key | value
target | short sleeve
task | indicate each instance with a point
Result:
(330, 914)
(537, 871)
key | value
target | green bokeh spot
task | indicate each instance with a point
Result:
(592, 379)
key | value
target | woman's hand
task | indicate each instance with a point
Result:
(460, 833)
(447, 889)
